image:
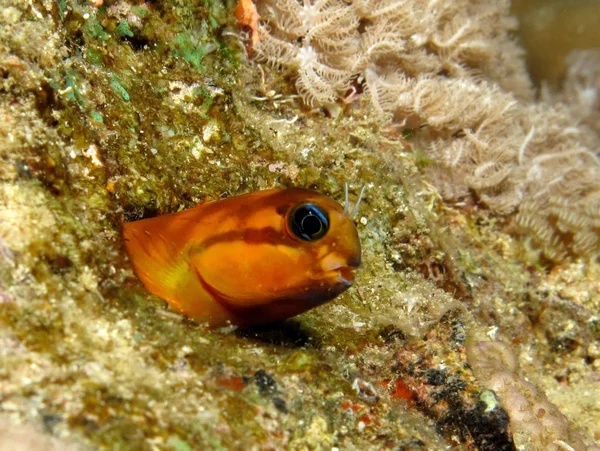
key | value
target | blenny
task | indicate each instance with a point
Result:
(246, 260)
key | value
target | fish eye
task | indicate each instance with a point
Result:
(308, 222)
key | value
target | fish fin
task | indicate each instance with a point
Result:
(155, 260)
(166, 272)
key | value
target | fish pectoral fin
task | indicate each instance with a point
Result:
(155, 261)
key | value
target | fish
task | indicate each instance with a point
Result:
(248, 260)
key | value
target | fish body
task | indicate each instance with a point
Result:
(251, 259)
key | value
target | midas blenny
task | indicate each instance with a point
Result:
(251, 259)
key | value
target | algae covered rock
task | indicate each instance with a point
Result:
(118, 110)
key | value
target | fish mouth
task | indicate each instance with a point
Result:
(344, 275)
(347, 273)
(339, 269)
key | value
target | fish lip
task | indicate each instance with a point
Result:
(346, 274)
(339, 269)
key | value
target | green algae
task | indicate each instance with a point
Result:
(180, 445)
(94, 31)
(186, 46)
(62, 8)
(96, 117)
(118, 88)
(123, 29)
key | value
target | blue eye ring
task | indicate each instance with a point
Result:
(308, 222)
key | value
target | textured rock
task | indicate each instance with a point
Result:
(134, 109)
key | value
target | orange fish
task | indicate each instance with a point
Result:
(251, 259)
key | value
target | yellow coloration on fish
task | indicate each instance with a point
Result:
(251, 259)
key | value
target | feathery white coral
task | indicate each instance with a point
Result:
(451, 65)
(316, 39)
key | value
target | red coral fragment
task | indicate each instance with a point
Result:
(399, 390)
(235, 383)
(247, 16)
(354, 407)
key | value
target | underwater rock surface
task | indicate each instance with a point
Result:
(118, 110)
